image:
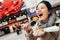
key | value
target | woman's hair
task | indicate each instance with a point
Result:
(48, 5)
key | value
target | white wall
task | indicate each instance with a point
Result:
(31, 3)
(1, 0)
(53, 1)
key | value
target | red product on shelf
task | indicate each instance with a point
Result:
(8, 7)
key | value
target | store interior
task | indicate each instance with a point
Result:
(13, 13)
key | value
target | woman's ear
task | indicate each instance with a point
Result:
(50, 11)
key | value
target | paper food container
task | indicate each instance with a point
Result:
(51, 29)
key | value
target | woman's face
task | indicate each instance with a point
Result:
(42, 11)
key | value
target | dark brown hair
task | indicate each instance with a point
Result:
(48, 5)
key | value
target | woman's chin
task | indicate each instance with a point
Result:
(40, 18)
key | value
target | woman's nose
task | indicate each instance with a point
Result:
(39, 10)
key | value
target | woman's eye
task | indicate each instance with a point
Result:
(36, 8)
(42, 7)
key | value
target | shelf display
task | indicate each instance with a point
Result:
(58, 13)
(20, 16)
(8, 7)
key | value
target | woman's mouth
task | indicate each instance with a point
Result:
(40, 15)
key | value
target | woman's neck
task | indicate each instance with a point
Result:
(45, 21)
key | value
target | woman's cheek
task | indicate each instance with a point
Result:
(45, 16)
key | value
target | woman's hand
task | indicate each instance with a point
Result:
(40, 32)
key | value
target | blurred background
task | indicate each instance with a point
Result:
(13, 13)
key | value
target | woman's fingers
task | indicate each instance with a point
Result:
(41, 30)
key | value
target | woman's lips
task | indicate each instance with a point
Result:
(40, 15)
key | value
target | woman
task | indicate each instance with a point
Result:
(46, 19)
